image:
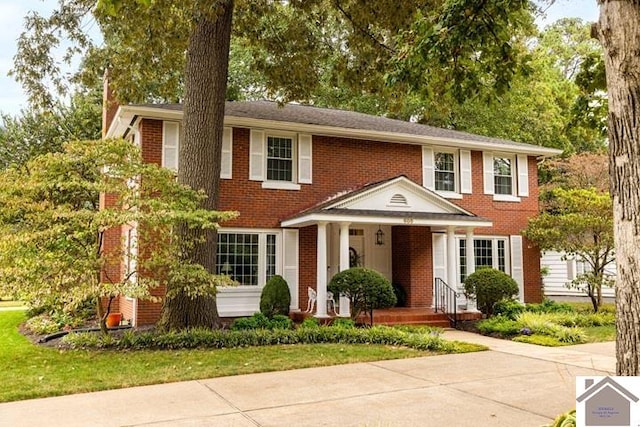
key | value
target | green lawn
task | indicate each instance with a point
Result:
(600, 333)
(30, 371)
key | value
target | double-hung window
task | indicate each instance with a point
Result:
(171, 147)
(445, 171)
(506, 176)
(503, 175)
(247, 257)
(488, 252)
(281, 160)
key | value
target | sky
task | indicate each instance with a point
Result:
(12, 12)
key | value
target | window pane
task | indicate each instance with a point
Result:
(502, 175)
(483, 251)
(271, 255)
(445, 177)
(501, 256)
(279, 159)
(238, 257)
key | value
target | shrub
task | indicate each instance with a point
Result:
(544, 340)
(488, 286)
(508, 308)
(275, 297)
(499, 325)
(549, 306)
(310, 322)
(342, 322)
(280, 321)
(257, 321)
(208, 338)
(367, 289)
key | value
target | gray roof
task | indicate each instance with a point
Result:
(325, 207)
(306, 114)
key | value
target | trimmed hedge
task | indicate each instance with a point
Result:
(488, 286)
(207, 338)
(275, 298)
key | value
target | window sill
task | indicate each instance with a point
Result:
(449, 194)
(505, 198)
(280, 185)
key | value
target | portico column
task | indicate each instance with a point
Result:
(452, 279)
(321, 285)
(471, 262)
(344, 265)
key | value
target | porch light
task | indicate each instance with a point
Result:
(379, 237)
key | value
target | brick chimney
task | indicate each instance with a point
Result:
(109, 104)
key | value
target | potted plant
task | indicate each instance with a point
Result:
(114, 319)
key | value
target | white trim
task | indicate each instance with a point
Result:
(506, 198)
(522, 165)
(125, 115)
(257, 149)
(280, 185)
(170, 130)
(449, 195)
(428, 169)
(313, 218)
(487, 175)
(226, 159)
(517, 265)
(305, 159)
(466, 175)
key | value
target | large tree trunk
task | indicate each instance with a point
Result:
(200, 152)
(619, 33)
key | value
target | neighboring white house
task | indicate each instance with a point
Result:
(562, 271)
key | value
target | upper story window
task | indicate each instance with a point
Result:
(506, 176)
(446, 171)
(503, 175)
(281, 160)
(171, 145)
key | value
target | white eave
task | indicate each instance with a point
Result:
(315, 218)
(127, 114)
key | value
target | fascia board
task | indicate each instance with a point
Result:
(315, 218)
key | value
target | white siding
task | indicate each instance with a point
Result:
(561, 272)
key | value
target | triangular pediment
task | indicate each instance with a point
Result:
(397, 195)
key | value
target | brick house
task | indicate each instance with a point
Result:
(319, 190)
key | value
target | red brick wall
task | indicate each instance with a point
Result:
(341, 164)
(411, 263)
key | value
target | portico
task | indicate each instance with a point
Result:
(396, 227)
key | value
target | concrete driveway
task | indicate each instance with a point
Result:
(512, 384)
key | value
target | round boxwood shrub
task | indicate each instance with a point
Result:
(367, 289)
(275, 297)
(488, 286)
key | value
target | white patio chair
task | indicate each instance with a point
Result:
(313, 296)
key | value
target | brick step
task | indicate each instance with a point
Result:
(435, 323)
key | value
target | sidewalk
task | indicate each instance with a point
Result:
(512, 384)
